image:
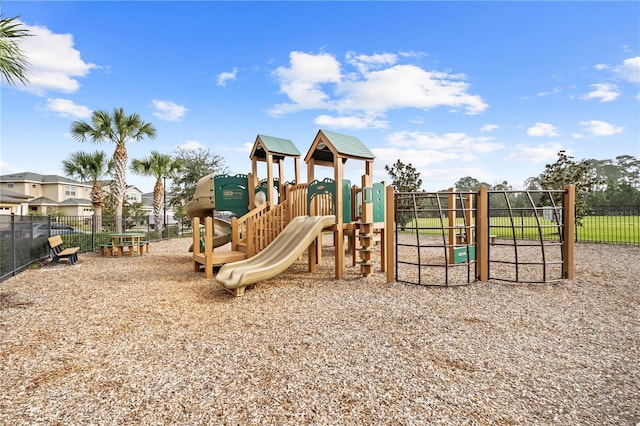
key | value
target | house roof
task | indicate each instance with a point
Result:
(43, 201)
(278, 147)
(12, 197)
(38, 178)
(75, 202)
(328, 144)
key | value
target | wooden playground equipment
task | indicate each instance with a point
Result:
(277, 221)
(358, 212)
(455, 238)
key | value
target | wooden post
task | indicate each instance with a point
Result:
(296, 166)
(339, 232)
(270, 190)
(568, 231)
(451, 214)
(208, 247)
(390, 235)
(482, 237)
(195, 225)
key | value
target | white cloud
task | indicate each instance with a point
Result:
(577, 136)
(168, 111)
(606, 92)
(601, 67)
(365, 62)
(600, 128)
(376, 85)
(351, 122)
(542, 129)
(302, 82)
(245, 147)
(459, 143)
(489, 127)
(223, 77)
(191, 146)
(6, 167)
(553, 91)
(53, 61)
(534, 154)
(629, 69)
(416, 157)
(407, 86)
(66, 108)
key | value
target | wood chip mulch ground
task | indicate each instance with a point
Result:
(147, 340)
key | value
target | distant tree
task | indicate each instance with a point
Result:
(566, 171)
(194, 164)
(158, 166)
(118, 128)
(620, 182)
(469, 184)
(14, 65)
(405, 178)
(90, 167)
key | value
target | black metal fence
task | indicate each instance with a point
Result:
(23, 239)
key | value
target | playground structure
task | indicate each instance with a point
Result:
(276, 220)
(356, 212)
(455, 238)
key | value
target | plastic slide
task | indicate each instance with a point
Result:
(221, 234)
(283, 251)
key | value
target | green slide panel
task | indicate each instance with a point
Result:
(324, 186)
(346, 201)
(231, 193)
(378, 202)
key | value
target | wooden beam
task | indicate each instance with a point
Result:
(390, 234)
(569, 231)
(482, 230)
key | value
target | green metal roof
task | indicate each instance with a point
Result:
(279, 146)
(348, 145)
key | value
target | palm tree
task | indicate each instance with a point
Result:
(157, 165)
(13, 62)
(90, 167)
(118, 128)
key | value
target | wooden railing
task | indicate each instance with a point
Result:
(257, 229)
(297, 199)
(241, 232)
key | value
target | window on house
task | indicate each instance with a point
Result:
(69, 190)
(10, 185)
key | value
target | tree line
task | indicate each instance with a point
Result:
(610, 182)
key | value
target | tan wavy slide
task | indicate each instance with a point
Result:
(283, 251)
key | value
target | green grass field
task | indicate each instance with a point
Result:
(602, 229)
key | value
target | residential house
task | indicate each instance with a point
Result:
(167, 209)
(32, 193)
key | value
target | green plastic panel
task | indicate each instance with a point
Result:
(231, 193)
(378, 202)
(460, 254)
(324, 186)
(346, 201)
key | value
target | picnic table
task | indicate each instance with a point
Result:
(132, 241)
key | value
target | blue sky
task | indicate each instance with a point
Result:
(491, 90)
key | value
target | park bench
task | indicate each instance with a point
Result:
(57, 253)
